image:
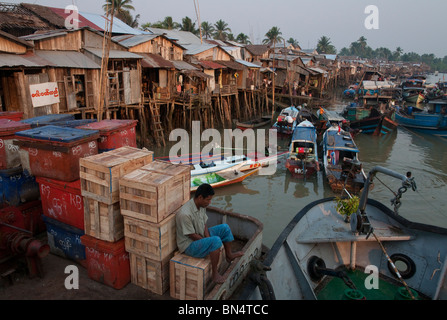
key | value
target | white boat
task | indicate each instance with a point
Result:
(379, 255)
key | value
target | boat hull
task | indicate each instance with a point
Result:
(299, 169)
(221, 178)
(434, 124)
(318, 230)
(386, 126)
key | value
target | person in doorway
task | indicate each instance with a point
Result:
(195, 239)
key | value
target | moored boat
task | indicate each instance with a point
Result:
(286, 121)
(433, 121)
(302, 159)
(379, 255)
(221, 178)
(342, 166)
(256, 123)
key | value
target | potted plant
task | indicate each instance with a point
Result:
(347, 206)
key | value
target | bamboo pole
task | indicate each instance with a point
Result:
(105, 62)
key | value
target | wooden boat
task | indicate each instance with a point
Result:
(236, 162)
(221, 178)
(413, 96)
(302, 159)
(386, 126)
(342, 166)
(256, 123)
(379, 255)
(433, 121)
(248, 233)
(286, 121)
(366, 119)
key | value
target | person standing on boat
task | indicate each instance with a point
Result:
(195, 239)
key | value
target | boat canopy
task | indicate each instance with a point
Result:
(340, 141)
(304, 133)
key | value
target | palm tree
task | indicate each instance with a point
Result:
(188, 25)
(243, 38)
(324, 45)
(119, 7)
(207, 29)
(221, 30)
(169, 24)
(293, 42)
(273, 36)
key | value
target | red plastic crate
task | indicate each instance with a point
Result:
(11, 115)
(54, 152)
(114, 134)
(107, 262)
(9, 153)
(62, 201)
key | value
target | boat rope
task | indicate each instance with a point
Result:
(394, 267)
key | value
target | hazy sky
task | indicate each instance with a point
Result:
(413, 25)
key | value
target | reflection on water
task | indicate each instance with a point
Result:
(276, 199)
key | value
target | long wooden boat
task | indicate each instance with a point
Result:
(256, 123)
(342, 166)
(302, 159)
(378, 255)
(433, 121)
(221, 178)
(247, 232)
(362, 118)
(386, 126)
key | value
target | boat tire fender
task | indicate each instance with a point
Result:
(410, 266)
(312, 268)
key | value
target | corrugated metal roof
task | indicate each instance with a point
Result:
(182, 37)
(183, 65)
(15, 60)
(130, 41)
(248, 64)
(192, 49)
(118, 25)
(231, 64)
(211, 65)
(46, 35)
(114, 54)
(155, 61)
(68, 59)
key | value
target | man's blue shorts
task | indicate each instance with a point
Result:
(203, 247)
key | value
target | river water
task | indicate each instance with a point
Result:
(275, 199)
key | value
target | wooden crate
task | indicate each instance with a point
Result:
(153, 195)
(103, 221)
(151, 240)
(100, 173)
(150, 274)
(191, 278)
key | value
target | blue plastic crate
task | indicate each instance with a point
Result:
(73, 123)
(17, 186)
(48, 119)
(56, 134)
(64, 240)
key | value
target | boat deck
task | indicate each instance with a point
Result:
(334, 288)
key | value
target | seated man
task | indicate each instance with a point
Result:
(195, 239)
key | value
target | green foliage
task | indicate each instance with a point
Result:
(347, 206)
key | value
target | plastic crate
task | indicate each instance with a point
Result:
(65, 240)
(47, 119)
(62, 201)
(114, 133)
(17, 186)
(107, 262)
(54, 152)
(9, 153)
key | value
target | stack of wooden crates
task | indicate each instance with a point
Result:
(103, 222)
(149, 199)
